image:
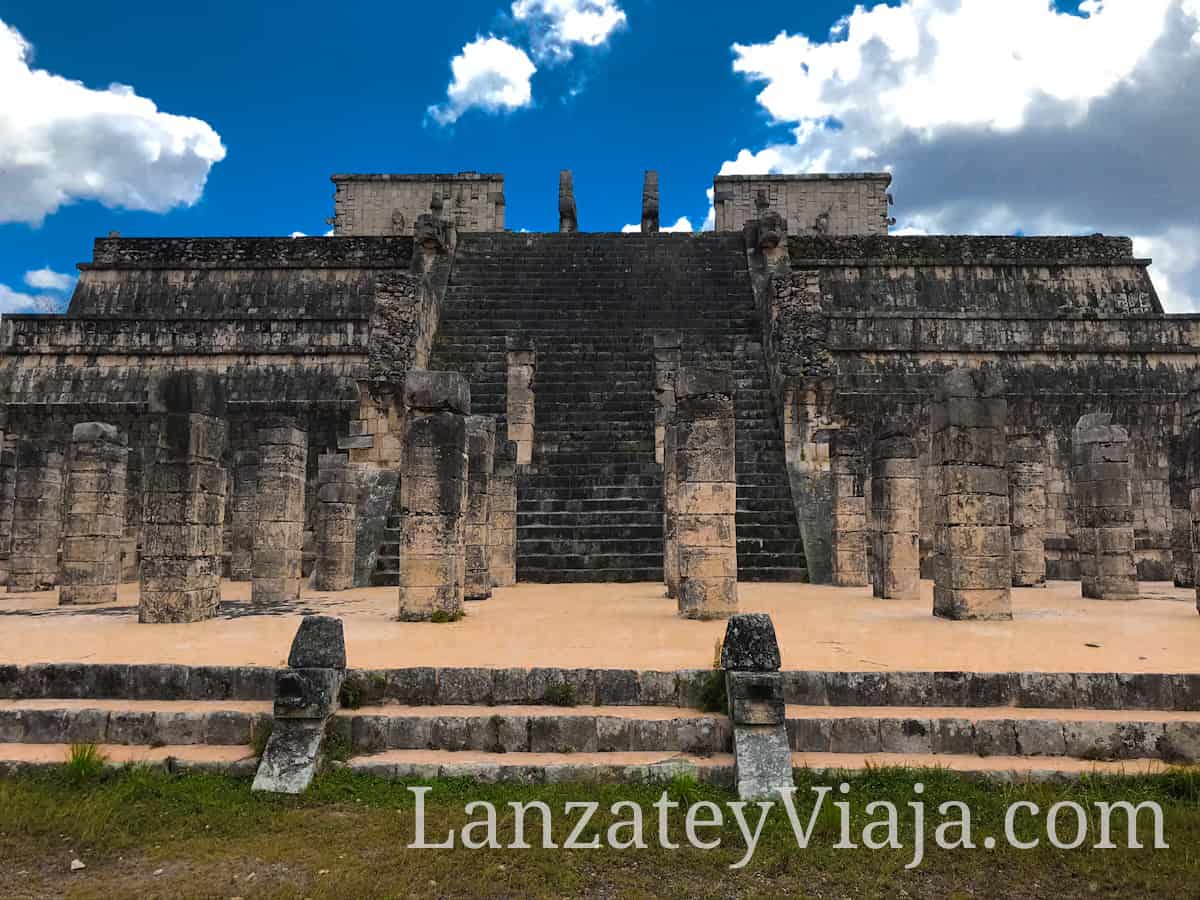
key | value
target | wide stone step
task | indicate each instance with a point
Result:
(132, 722)
(556, 574)
(231, 759)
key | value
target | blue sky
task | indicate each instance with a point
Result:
(1082, 133)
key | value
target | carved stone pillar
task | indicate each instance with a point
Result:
(522, 365)
(337, 504)
(1103, 508)
(568, 219)
(650, 202)
(37, 519)
(243, 515)
(481, 451)
(95, 515)
(1027, 506)
(279, 538)
(8, 486)
(667, 353)
(848, 465)
(1181, 514)
(502, 535)
(895, 515)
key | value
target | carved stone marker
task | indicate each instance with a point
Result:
(667, 353)
(95, 515)
(650, 202)
(185, 502)
(522, 365)
(1027, 506)
(502, 534)
(279, 537)
(243, 515)
(972, 543)
(1181, 513)
(568, 219)
(433, 495)
(670, 501)
(37, 519)
(750, 658)
(337, 502)
(481, 453)
(1103, 508)
(706, 493)
(849, 544)
(895, 514)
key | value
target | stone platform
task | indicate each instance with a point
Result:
(632, 626)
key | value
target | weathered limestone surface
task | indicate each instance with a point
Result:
(750, 658)
(481, 451)
(811, 204)
(391, 204)
(243, 515)
(568, 218)
(1103, 508)
(502, 534)
(433, 495)
(95, 515)
(650, 202)
(37, 519)
(279, 540)
(670, 508)
(522, 364)
(337, 500)
(667, 354)
(849, 540)
(1027, 506)
(973, 565)
(705, 493)
(185, 502)
(8, 486)
(895, 514)
(1181, 513)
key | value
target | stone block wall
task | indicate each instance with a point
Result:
(390, 204)
(811, 204)
(94, 532)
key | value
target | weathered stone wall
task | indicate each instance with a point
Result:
(1181, 513)
(811, 204)
(390, 204)
(95, 515)
(849, 533)
(37, 519)
(895, 514)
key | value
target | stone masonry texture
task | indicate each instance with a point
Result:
(670, 505)
(1103, 508)
(279, 540)
(810, 204)
(481, 450)
(433, 495)
(502, 534)
(522, 364)
(95, 515)
(8, 485)
(849, 545)
(895, 514)
(1181, 513)
(185, 490)
(1027, 506)
(243, 514)
(705, 493)
(973, 565)
(337, 499)
(37, 519)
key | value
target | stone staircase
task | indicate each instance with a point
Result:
(590, 504)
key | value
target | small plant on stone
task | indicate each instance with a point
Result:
(561, 694)
(336, 747)
(352, 693)
(260, 735)
(713, 696)
(441, 617)
(85, 762)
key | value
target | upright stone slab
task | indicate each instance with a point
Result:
(337, 504)
(185, 488)
(667, 353)
(37, 519)
(754, 686)
(522, 366)
(670, 508)
(650, 202)
(973, 564)
(95, 515)
(849, 537)
(433, 495)
(895, 514)
(243, 515)
(502, 535)
(279, 536)
(481, 452)
(1181, 513)
(1103, 508)
(1027, 505)
(568, 218)
(8, 489)
(706, 493)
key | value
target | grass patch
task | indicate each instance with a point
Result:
(441, 616)
(85, 762)
(560, 694)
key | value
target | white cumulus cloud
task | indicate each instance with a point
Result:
(557, 26)
(1004, 115)
(12, 301)
(46, 279)
(490, 74)
(682, 225)
(61, 142)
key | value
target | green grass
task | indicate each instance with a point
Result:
(347, 838)
(85, 762)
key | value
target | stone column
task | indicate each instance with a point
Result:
(705, 495)
(481, 452)
(754, 686)
(667, 352)
(670, 521)
(243, 515)
(37, 519)
(337, 505)
(433, 496)
(650, 202)
(1181, 514)
(522, 364)
(279, 534)
(972, 542)
(895, 514)
(568, 218)
(1027, 505)
(848, 465)
(8, 486)
(503, 532)
(185, 502)
(1103, 508)
(95, 515)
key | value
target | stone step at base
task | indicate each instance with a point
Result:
(228, 759)
(133, 722)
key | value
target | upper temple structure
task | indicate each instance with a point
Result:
(570, 342)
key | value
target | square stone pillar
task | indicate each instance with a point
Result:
(1103, 508)
(895, 514)
(1027, 506)
(522, 365)
(481, 453)
(95, 515)
(185, 502)
(670, 498)
(754, 685)
(8, 488)
(1181, 513)
(502, 535)
(433, 495)
(972, 542)
(706, 493)
(279, 536)
(243, 515)
(849, 536)
(337, 506)
(37, 519)
(667, 352)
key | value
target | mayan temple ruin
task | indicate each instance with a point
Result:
(599, 447)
